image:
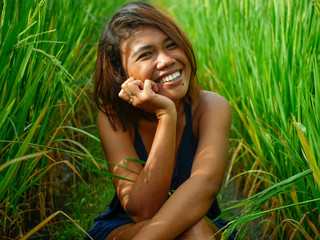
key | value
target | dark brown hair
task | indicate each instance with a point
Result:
(109, 71)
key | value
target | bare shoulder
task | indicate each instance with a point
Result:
(103, 121)
(111, 137)
(212, 99)
(105, 129)
(211, 102)
(211, 107)
(104, 124)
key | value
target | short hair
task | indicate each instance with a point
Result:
(109, 71)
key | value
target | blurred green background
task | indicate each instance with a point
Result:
(263, 56)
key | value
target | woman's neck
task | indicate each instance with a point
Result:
(180, 108)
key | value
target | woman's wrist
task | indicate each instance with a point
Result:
(169, 112)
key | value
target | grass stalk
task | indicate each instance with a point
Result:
(263, 56)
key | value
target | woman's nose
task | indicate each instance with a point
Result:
(164, 61)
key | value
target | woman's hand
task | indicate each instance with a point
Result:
(143, 94)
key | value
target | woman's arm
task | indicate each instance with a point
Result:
(191, 201)
(142, 198)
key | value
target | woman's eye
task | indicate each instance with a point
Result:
(171, 45)
(144, 55)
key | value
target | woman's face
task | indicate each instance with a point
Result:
(150, 54)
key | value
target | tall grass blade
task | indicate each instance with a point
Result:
(44, 222)
(308, 154)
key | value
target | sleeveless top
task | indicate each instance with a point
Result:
(185, 155)
(115, 216)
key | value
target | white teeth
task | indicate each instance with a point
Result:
(170, 77)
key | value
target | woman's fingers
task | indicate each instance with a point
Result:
(132, 86)
(151, 86)
(122, 94)
(129, 89)
(143, 94)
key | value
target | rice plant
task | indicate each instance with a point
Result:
(47, 55)
(264, 57)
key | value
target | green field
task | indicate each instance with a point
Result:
(263, 56)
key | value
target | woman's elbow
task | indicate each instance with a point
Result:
(142, 213)
(211, 186)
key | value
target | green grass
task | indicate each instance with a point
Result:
(263, 56)
(47, 54)
(83, 206)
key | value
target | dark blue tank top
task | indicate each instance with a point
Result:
(115, 216)
(185, 155)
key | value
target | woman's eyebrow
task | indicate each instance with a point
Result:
(147, 47)
(141, 49)
(167, 39)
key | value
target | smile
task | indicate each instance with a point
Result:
(170, 77)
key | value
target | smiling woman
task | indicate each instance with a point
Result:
(110, 72)
(146, 87)
(150, 54)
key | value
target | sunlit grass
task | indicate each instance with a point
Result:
(47, 54)
(264, 57)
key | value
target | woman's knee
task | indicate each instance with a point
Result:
(127, 231)
(202, 230)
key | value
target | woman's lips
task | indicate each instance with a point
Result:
(171, 78)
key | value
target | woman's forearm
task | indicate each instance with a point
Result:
(189, 203)
(152, 186)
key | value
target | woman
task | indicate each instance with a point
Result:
(152, 109)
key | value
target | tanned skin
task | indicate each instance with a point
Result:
(149, 56)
